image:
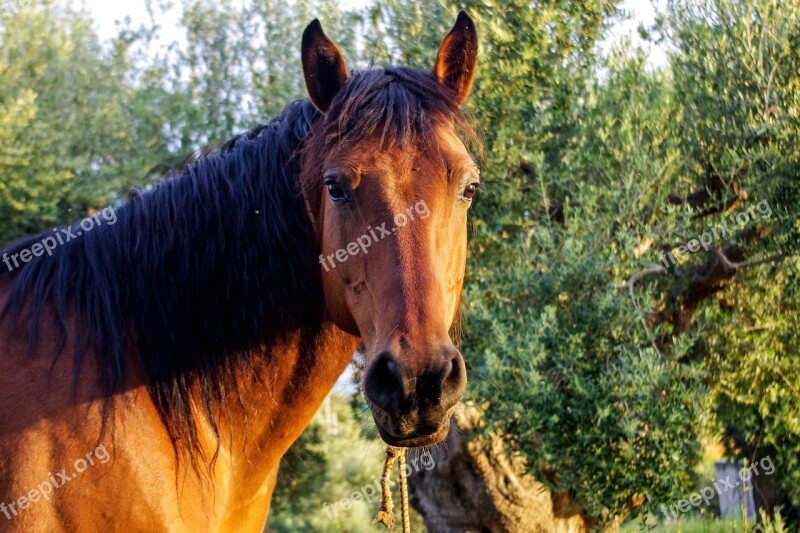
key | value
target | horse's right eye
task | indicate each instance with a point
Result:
(337, 193)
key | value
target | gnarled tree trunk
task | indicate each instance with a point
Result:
(477, 485)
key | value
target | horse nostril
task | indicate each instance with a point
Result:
(384, 383)
(456, 368)
(452, 382)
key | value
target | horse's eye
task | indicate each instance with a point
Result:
(469, 192)
(336, 191)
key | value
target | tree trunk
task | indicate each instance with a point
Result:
(478, 486)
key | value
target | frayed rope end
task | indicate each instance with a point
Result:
(385, 514)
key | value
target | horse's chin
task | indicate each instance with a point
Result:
(414, 440)
(411, 430)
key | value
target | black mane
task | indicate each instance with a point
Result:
(216, 261)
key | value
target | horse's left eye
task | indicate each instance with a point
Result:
(337, 193)
(469, 192)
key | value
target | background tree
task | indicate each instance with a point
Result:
(58, 105)
(736, 73)
(595, 164)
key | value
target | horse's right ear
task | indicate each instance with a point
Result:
(323, 66)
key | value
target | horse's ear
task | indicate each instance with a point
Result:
(323, 66)
(457, 57)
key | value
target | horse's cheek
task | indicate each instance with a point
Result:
(336, 304)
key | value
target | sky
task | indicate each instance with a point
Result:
(106, 13)
(642, 11)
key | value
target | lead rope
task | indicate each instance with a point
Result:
(386, 513)
(404, 491)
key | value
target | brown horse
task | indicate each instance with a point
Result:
(157, 362)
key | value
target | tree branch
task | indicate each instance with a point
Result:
(651, 270)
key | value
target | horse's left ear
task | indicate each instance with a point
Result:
(457, 57)
(323, 66)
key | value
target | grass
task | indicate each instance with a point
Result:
(706, 525)
(710, 524)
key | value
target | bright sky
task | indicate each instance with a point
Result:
(642, 11)
(106, 13)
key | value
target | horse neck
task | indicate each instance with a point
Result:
(288, 386)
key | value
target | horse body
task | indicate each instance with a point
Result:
(154, 371)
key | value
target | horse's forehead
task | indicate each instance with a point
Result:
(434, 149)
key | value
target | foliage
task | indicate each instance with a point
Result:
(611, 418)
(56, 101)
(737, 74)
